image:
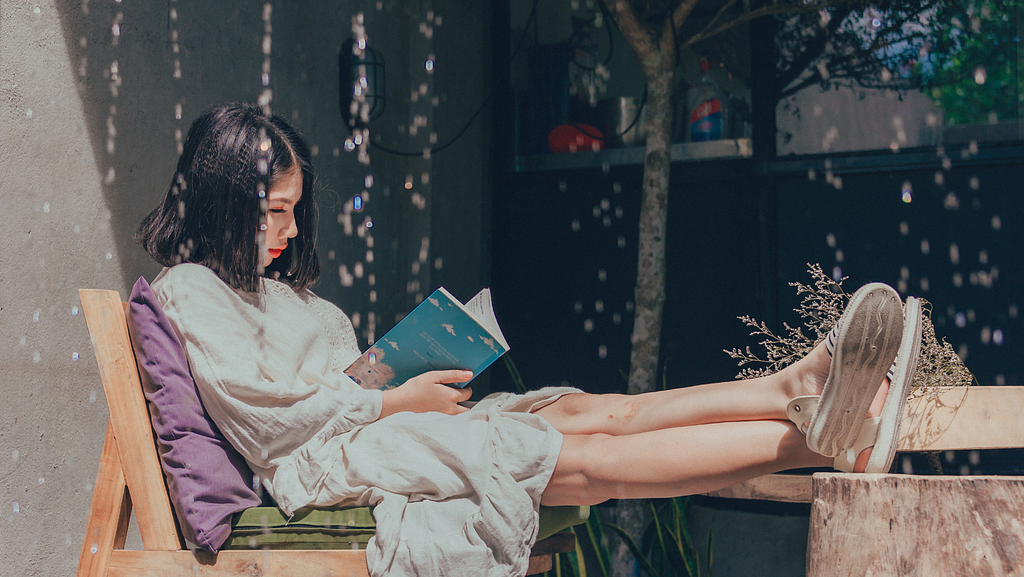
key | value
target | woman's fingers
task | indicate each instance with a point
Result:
(443, 377)
(429, 391)
(454, 397)
(452, 376)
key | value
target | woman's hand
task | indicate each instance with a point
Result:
(428, 392)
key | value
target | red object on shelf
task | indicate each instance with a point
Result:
(569, 138)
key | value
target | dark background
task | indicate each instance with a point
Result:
(740, 230)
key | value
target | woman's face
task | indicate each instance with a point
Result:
(281, 201)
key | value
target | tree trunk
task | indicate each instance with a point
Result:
(650, 278)
(657, 56)
(650, 284)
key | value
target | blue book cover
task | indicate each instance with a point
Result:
(440, 333)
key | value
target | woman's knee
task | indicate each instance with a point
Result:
(576, 480)
(585, 413)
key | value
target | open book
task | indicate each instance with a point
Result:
(440, 333)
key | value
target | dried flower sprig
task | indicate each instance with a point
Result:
(938, 368)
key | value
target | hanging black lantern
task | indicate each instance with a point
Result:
(361, 95)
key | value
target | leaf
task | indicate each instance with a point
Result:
(513, 372)
(657, 526)
(581, 564)
(711, 540)
(596, 541)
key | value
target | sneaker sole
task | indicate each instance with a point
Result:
(868, 340)
(903, 377)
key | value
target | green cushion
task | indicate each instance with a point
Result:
(555, 519)
(270, 528)
(347, 528)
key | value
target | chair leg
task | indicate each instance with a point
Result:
(109, 513)
(542, 555)
(540, 564)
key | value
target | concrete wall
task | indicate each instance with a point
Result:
(88, 136)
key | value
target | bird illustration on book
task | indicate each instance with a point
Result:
(490, 343)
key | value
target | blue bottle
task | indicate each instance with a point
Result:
(705, 107)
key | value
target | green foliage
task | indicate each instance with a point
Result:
(574, 564)
(970, 65)
(666, 549)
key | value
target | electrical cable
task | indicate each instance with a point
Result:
(609, 17)
(519, 44)
(611, 43)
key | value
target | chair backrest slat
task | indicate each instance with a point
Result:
(129, 418)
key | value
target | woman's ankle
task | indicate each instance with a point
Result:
(806, 376)
(873, 411)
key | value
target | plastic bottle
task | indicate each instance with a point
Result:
(705, 107)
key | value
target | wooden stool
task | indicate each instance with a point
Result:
(915, 525)
(935, 525)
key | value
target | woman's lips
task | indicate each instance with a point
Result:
(274, 252)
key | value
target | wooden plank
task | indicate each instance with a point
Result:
(964, 418)
(542, 554)
(344, 563)
(341, 563)
(109, 513)
(561, 542)
(778, 487)
(129, 418)
(902, 525)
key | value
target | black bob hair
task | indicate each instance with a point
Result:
(212, 212)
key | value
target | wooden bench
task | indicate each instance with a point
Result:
(130, 476)
(931, 525)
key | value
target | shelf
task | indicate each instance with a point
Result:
(680, 152)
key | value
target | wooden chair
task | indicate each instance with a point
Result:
(130, 476)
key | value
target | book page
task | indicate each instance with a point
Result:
(477, 305)
(482, 311)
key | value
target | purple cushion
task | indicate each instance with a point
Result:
(208, 480)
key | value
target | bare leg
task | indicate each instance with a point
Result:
(686, 441)
(673, 462)
(747, 400)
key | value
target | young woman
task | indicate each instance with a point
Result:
(456, 490)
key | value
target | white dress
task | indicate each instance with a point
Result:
(454, 495)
